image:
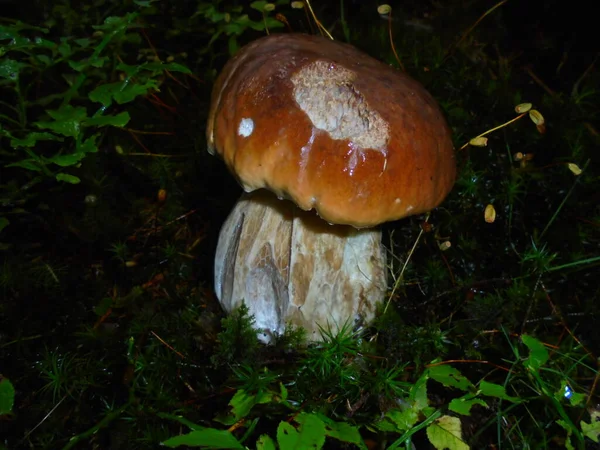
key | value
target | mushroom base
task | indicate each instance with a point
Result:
(291, 267)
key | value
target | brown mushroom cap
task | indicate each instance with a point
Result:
(327, 126)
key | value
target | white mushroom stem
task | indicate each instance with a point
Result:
(290, 266)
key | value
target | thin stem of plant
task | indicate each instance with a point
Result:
(496, 128)
(392, 41)
(472, 27)
(318, 22)
(555, 215)
(401, 275)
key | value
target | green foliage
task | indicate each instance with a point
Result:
(237, 342)
(7, 396)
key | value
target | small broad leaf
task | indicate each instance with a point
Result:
(445, 433)
(264, 442)
(464, 404)
(31, 139)
(119, 120)
(401, 421)
(9, 69)
(449, 377)
(496, 390)
(121, 92)
(259, 5)
(115, 24)
(7, 395)
(67, 120)
(283, 394)
(242, 403)
(342, 431)
(88, 145)
(208, 437)
(161, 67)
(538, 355)
(418, 392)
(131, 91)
(67, 178)
(310, 435)
(592, 429)
(66, 160)
(97, 61)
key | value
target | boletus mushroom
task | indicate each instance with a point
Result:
(343, 143)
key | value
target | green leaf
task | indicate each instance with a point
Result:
(88, 145)
(9, 69)
(259, 6)
(64, 48)
(31, 139)
(67, 160)
(283, 394)
(67, 178)
(592, 429)
(341, 431)
(7, 396)
(67, 120)
(4, 222)
(242, 403)
(121, 92)
(131, 91)
(402, 420)
(445, 433)
(538, 354)
(496, 390)
(29, 164)
(119, 120)
(464, 404)
(265, 443)
(97, 61)
(418, 392)
(113, 24)
(449, 377)
(310, 435)
(44, 59)
(83, 42)
(565, 392)
(208, 437)
(161, 67)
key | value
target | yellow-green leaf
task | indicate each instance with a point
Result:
(479, 141)
(523, 108)
(536, 117)
(445, 433)
(574, 168)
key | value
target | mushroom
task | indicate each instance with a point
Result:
(344, 143)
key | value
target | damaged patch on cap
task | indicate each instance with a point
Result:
(325, 92)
